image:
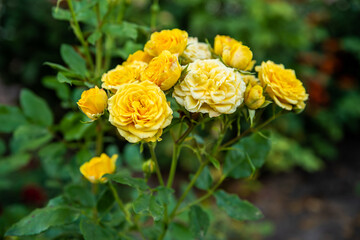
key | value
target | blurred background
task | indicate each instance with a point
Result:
(310, 186)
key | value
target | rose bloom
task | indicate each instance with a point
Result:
(93, 102)
(97, 167)
(174, 40)
(195, 50)
(163, 70)
(282, 85)
(140, 56)
(129, 73)
(140, 111)
(233, 53)
(254, 97)
(210, 87)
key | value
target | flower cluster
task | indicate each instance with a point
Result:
(200, 78)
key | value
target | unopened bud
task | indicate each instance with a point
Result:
(148, 166)
(254, 97)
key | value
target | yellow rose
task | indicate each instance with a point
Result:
(254, 97)
(195, 50)
(140, 56)
(140, 111)
(282, 85)
(97, 167)
(210, 87)
(129, 73)
(174, 40)
(93, 102)
(233, 53)
(163, 70)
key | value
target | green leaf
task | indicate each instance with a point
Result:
(215, 162)
(124, 31)
(73, 128)
(61, 14)
(247, 154)
(40, 220)
(237, 208)
(52, 159)
(10, 118)
(105, 202)
(73, 59)
(62, 90)
(57, 67)
(94, 37)
(29, 137)
(79, 195)
(138, 183)
(204, 181)
(156, 209)
(13, 163)
(62, 79)
(35, 108)
(141, 204)
(199, 222)
(93, 231)
(133, 157)
(164, 194)
(179, 232)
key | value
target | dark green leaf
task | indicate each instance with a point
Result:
(156, 209)
(247, 154)
(62, 90)
(142, 203)
(41, 219)
(73, 127)
(204, 181)
(138, 183)
(199, 222)
(237, 208)
(13, 163)
(2, 147)
(215, 162)
(73, 59)
(93, 231)
(35, 108)
(29, 137)
(105, 202)
(52, 158)
(57, 67)
(10, 118)
(133, 157)
(79, 195)
(62, 79)
(164, 194)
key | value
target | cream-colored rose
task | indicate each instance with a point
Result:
(139, 56)
(174, 41)
(139, 111)
(93, 102)
(97, 167)
(233, 53)
(282, 85)
(129, 73)
(210, 87)
(163, 70)
(195, 50)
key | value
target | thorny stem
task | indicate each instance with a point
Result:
(175, 156)
(99, 137)
(154, 11)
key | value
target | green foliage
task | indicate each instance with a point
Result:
(93, 231)
(73, 59)
(41, 219)
(13, 163)
(199, 222)
(35, 108)
(138, 183)
(247, 155)
(237, 208)
(11, 118)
